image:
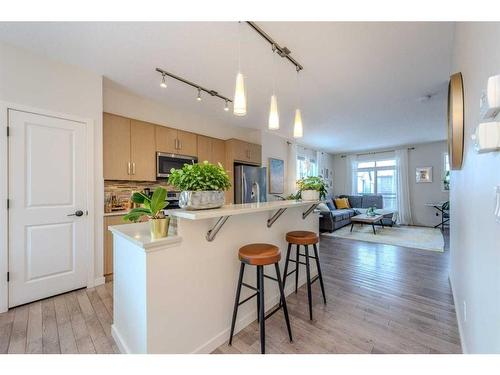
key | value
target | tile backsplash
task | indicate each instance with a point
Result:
(122, 190)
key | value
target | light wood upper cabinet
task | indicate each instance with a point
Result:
(142, 151)
(173, 141)
(187, 143)
(166, 139)
(211, 149)
(218, 151)
(241, 151)
(116, 147)
(128, 149)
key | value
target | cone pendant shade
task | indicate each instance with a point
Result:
(240, 99)
(297, 125)
(274, 118)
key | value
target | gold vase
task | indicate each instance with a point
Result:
(159, 227)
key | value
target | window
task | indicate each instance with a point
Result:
(306, 166)
(378, 177)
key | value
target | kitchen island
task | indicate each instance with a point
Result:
(176, 295)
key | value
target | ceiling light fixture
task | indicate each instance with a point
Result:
(164, 74)
(163, 83)
(274, 118)
(240, 98)
(298, 129)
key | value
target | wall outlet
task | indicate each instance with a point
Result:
(465, 311)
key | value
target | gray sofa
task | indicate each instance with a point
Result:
(333, 218)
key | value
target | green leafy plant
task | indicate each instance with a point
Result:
(151, 207)
(446, 181)
(200, 177)
(312, 183)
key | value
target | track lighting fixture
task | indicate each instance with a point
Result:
(163, 83)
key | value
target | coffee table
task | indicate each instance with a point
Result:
(367, 219)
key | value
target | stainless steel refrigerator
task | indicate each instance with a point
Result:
(250, 184)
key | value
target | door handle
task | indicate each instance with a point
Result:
(77, 213)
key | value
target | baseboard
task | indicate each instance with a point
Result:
(459, 317)
(241, 323)
(119, 341)
(99, 281)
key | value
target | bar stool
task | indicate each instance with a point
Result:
(305, 239)
(260, 255)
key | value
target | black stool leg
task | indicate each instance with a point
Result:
(283, 301)
(308, 272)
(286, 264)
(236, 302)
(320, 275)
(297, 269)
(258, 288)
(262, 326)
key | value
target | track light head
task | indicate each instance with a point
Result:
(226, 107)
(199, 95)
(163, 83)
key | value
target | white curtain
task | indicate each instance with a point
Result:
(291, 169)
(350, 178)
(403, 188)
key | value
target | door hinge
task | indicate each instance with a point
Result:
(8, 203)
(8, 131)
(8, 276)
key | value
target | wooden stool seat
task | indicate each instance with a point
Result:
(259, 254)
(302, 237)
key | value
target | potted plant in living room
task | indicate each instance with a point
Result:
(202, 185)
(153, 209)
(312, 188)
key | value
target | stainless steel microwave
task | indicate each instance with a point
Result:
(165, 162)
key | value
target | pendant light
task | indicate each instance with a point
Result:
(240, 99)
(274, 118)
(298, 130)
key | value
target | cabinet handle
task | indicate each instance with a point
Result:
(176, 144)
(180, 144)
(133, 168)
(128, 168)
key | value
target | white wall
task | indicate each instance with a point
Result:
(36, 81)
(424, 155)
(119, 101)
(427, 155)
(475, 235)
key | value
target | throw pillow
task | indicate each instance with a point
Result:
(342, 203)
(323, 207)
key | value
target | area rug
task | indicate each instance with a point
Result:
(406, 236)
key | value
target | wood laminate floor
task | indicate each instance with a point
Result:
(381, 299)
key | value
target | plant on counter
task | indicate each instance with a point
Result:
(202, 185)
(446, 181)
(200, 177)
(153, 209)
(312, 188)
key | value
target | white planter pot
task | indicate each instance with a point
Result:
(310, 195)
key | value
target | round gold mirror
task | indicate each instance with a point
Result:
(456, 121)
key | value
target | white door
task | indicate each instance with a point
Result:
(48, 249)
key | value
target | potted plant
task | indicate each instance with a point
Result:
(202, 185)
(153, 209)
(312, 188)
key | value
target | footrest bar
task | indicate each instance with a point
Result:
(314, 278)
(270, 277)
(248, 298)
(272, 312)
(250, 287)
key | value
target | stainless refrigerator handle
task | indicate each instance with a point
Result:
(258, 191)
(244, 190)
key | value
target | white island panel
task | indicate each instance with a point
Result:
(189, 288)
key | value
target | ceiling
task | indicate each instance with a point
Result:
(364, 85)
